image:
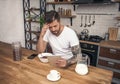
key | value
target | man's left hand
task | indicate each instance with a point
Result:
(61, 62)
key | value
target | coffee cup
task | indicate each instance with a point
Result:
(54, 74)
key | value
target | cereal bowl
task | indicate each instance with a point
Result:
(43, 57)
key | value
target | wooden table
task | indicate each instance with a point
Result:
(34, 72)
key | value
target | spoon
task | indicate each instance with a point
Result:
(93, 20)
(81, 21)
(85, 21)
(89, 24)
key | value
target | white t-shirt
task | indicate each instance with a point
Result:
(61, 45)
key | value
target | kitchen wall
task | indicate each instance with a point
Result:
(11, 21)
(12, 25)
(104, 17)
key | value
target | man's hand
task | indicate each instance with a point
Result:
(44, 29)
(61, 62)
(41, 45)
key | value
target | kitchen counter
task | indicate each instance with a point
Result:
(89, 42)
(111, 44)
(29, 71)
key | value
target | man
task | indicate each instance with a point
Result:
(63, 40)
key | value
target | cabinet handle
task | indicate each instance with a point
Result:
(88, 50)
(113, 51)
(111, 63)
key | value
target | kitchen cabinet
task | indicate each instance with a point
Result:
(109, 58)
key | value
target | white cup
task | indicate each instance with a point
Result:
(54, 73)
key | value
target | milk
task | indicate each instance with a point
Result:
(81, 69)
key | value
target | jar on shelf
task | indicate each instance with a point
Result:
(68, 12)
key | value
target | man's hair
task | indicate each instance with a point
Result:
(51, 16)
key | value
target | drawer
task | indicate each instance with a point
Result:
(109, 64)
(116, 75)
(110, 53)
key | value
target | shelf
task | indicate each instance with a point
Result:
(32, 42)
(72, 16)
(64, 2)
(33, 9)
(36, 21)
(32, 16)
(37, 33)
(30, 20)
(118, 18)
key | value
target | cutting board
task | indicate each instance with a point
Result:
(113, 32)
(118, 37)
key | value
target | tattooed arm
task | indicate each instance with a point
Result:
(76, 54)
(76, 50)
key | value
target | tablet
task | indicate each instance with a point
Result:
(52, 59)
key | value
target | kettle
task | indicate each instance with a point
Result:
(84, 34)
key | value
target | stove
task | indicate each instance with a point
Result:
(92, 38)
(91, 49)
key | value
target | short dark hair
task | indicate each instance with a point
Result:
(52, 15)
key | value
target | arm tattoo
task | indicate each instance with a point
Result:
(75, 49)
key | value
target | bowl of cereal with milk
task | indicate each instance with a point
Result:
(43, 57)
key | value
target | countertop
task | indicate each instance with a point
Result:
(89, 42)
(111, 44)
(33, 71)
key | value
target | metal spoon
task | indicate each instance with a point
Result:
(85, 21)
(81, 21)
(93, 20)
(89, 24)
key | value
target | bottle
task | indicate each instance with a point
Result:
(106, 36)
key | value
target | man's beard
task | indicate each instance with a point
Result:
(57, 32)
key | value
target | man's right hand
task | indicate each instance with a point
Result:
(44, 29)
(41, 45)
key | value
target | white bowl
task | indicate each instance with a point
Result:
(43, 57)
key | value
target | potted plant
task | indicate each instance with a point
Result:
(42, 21)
